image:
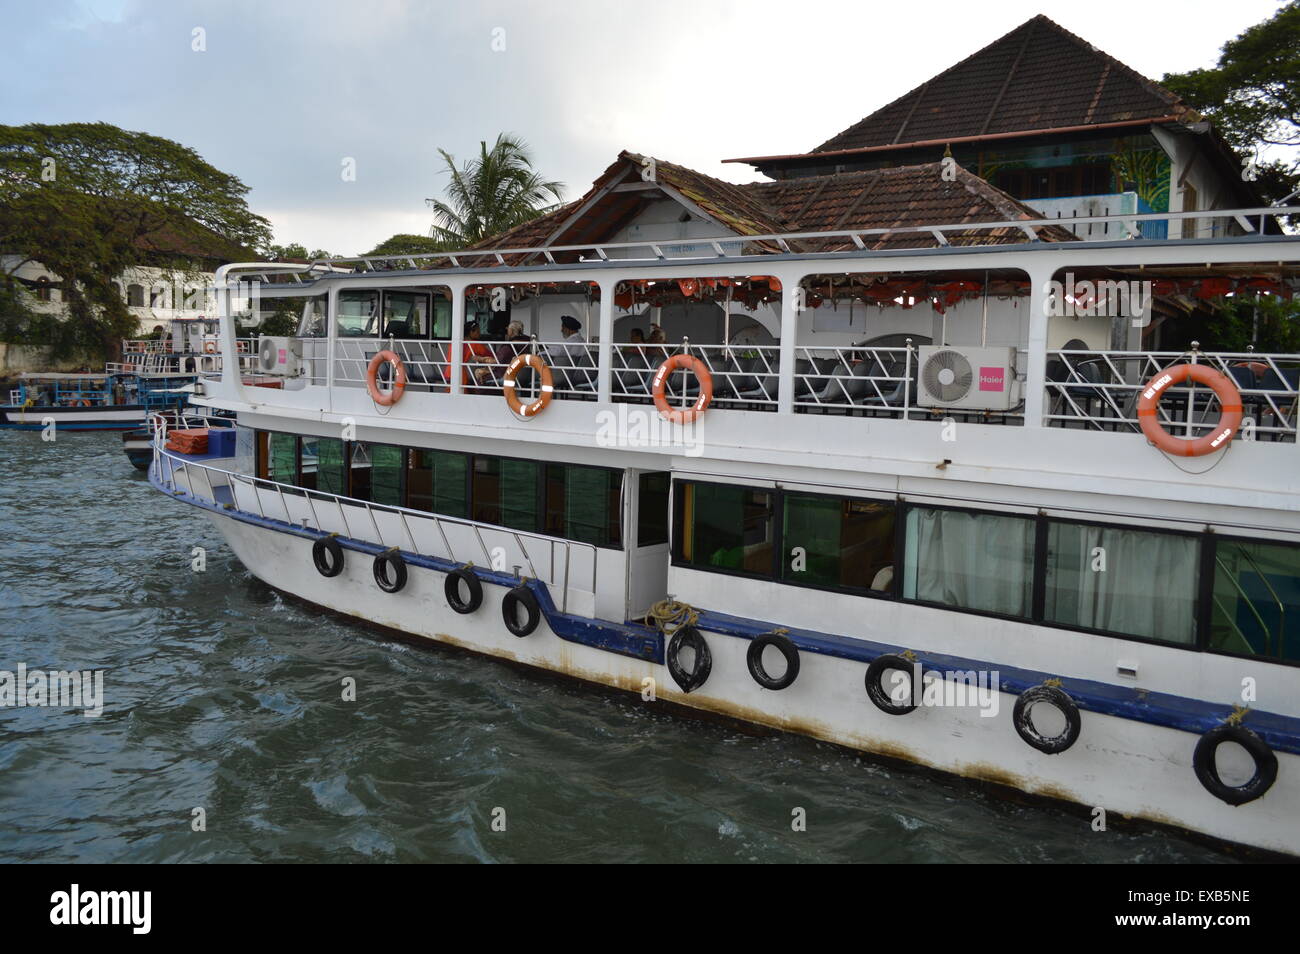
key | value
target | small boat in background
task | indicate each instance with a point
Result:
(109, 400)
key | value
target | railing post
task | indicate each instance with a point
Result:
(789, 334)
(331, 329)
(605, 353)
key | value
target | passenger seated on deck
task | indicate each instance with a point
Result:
(574, 348)
(473, 352)
(515, 344)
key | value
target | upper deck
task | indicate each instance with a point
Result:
(822, 348)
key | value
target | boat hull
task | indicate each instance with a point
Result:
(125, 417)
(1129, 768)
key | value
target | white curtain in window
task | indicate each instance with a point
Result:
(976, 561)
(1148, 586)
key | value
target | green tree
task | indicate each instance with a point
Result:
(89, 200)
(1253, 95)
(496, 191)
(404, 243)
(297, 251)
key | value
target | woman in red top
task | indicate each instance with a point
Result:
(474, 352)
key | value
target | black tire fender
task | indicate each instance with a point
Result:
(521, 595)
(327, 555)
(390, 559)
(688, 637)
(1207, 770)
(1053, 695)
(876, 691)
(754, 658)
(451, 589)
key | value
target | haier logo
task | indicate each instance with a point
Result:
(993, 379)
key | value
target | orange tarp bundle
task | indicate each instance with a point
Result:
(193, 441)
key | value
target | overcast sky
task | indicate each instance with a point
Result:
(285, 91)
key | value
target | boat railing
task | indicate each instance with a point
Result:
(1100, 389)
(1251, 222)
(556, 562)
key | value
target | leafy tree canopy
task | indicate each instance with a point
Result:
(1253, 94)
(405, 243)
(491, 193)
(296, 250)
(89, 200)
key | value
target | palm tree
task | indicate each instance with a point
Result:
(492, 193)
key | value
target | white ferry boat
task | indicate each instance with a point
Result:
(928, 488)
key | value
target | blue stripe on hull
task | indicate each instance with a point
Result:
(1282, 733)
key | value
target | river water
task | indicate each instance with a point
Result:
(223, 696)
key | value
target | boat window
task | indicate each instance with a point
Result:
(358, 314)
(584, 503)
(377, 470)
(1256, 599)
(323, 465)
(978, 561)
(652, 510)
(313, 323)
(726, 527)
(1133, 582)
(505, 492)
(840, 542)
(438, 482)
(406, 315)
(442, 318)
(282, 464)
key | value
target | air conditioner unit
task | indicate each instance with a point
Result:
(279, 356)
(976, 378)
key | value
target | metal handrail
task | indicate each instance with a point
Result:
(167, 477)
(777, 242)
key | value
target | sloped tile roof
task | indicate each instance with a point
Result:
(1039, 76)
(898, 197)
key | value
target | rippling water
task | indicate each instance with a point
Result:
(223, 695)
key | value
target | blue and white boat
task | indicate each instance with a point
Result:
(943, 491)
(114, 400)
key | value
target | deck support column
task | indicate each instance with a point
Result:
(789, 335)
(457, 337)
(1040, 277)
(605, 352)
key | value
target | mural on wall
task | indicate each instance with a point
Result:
(1144, 171)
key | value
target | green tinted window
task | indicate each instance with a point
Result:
(727, 527)
(584, 504)
(284, 459)
(436, 482)
(1256, 606)
(325, 457)
(386, 475)
(505, 492)
(830, 541)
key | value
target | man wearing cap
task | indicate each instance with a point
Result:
(574, 349)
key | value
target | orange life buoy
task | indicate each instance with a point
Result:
(399, 378)
(518, 407)
(1224, 429)
(690, 363)
(210, 347)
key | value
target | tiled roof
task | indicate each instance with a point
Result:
(899, 197)
(882, 198)
(1039, 76)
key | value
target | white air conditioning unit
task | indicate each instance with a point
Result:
(279, 356)
(959, 377)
